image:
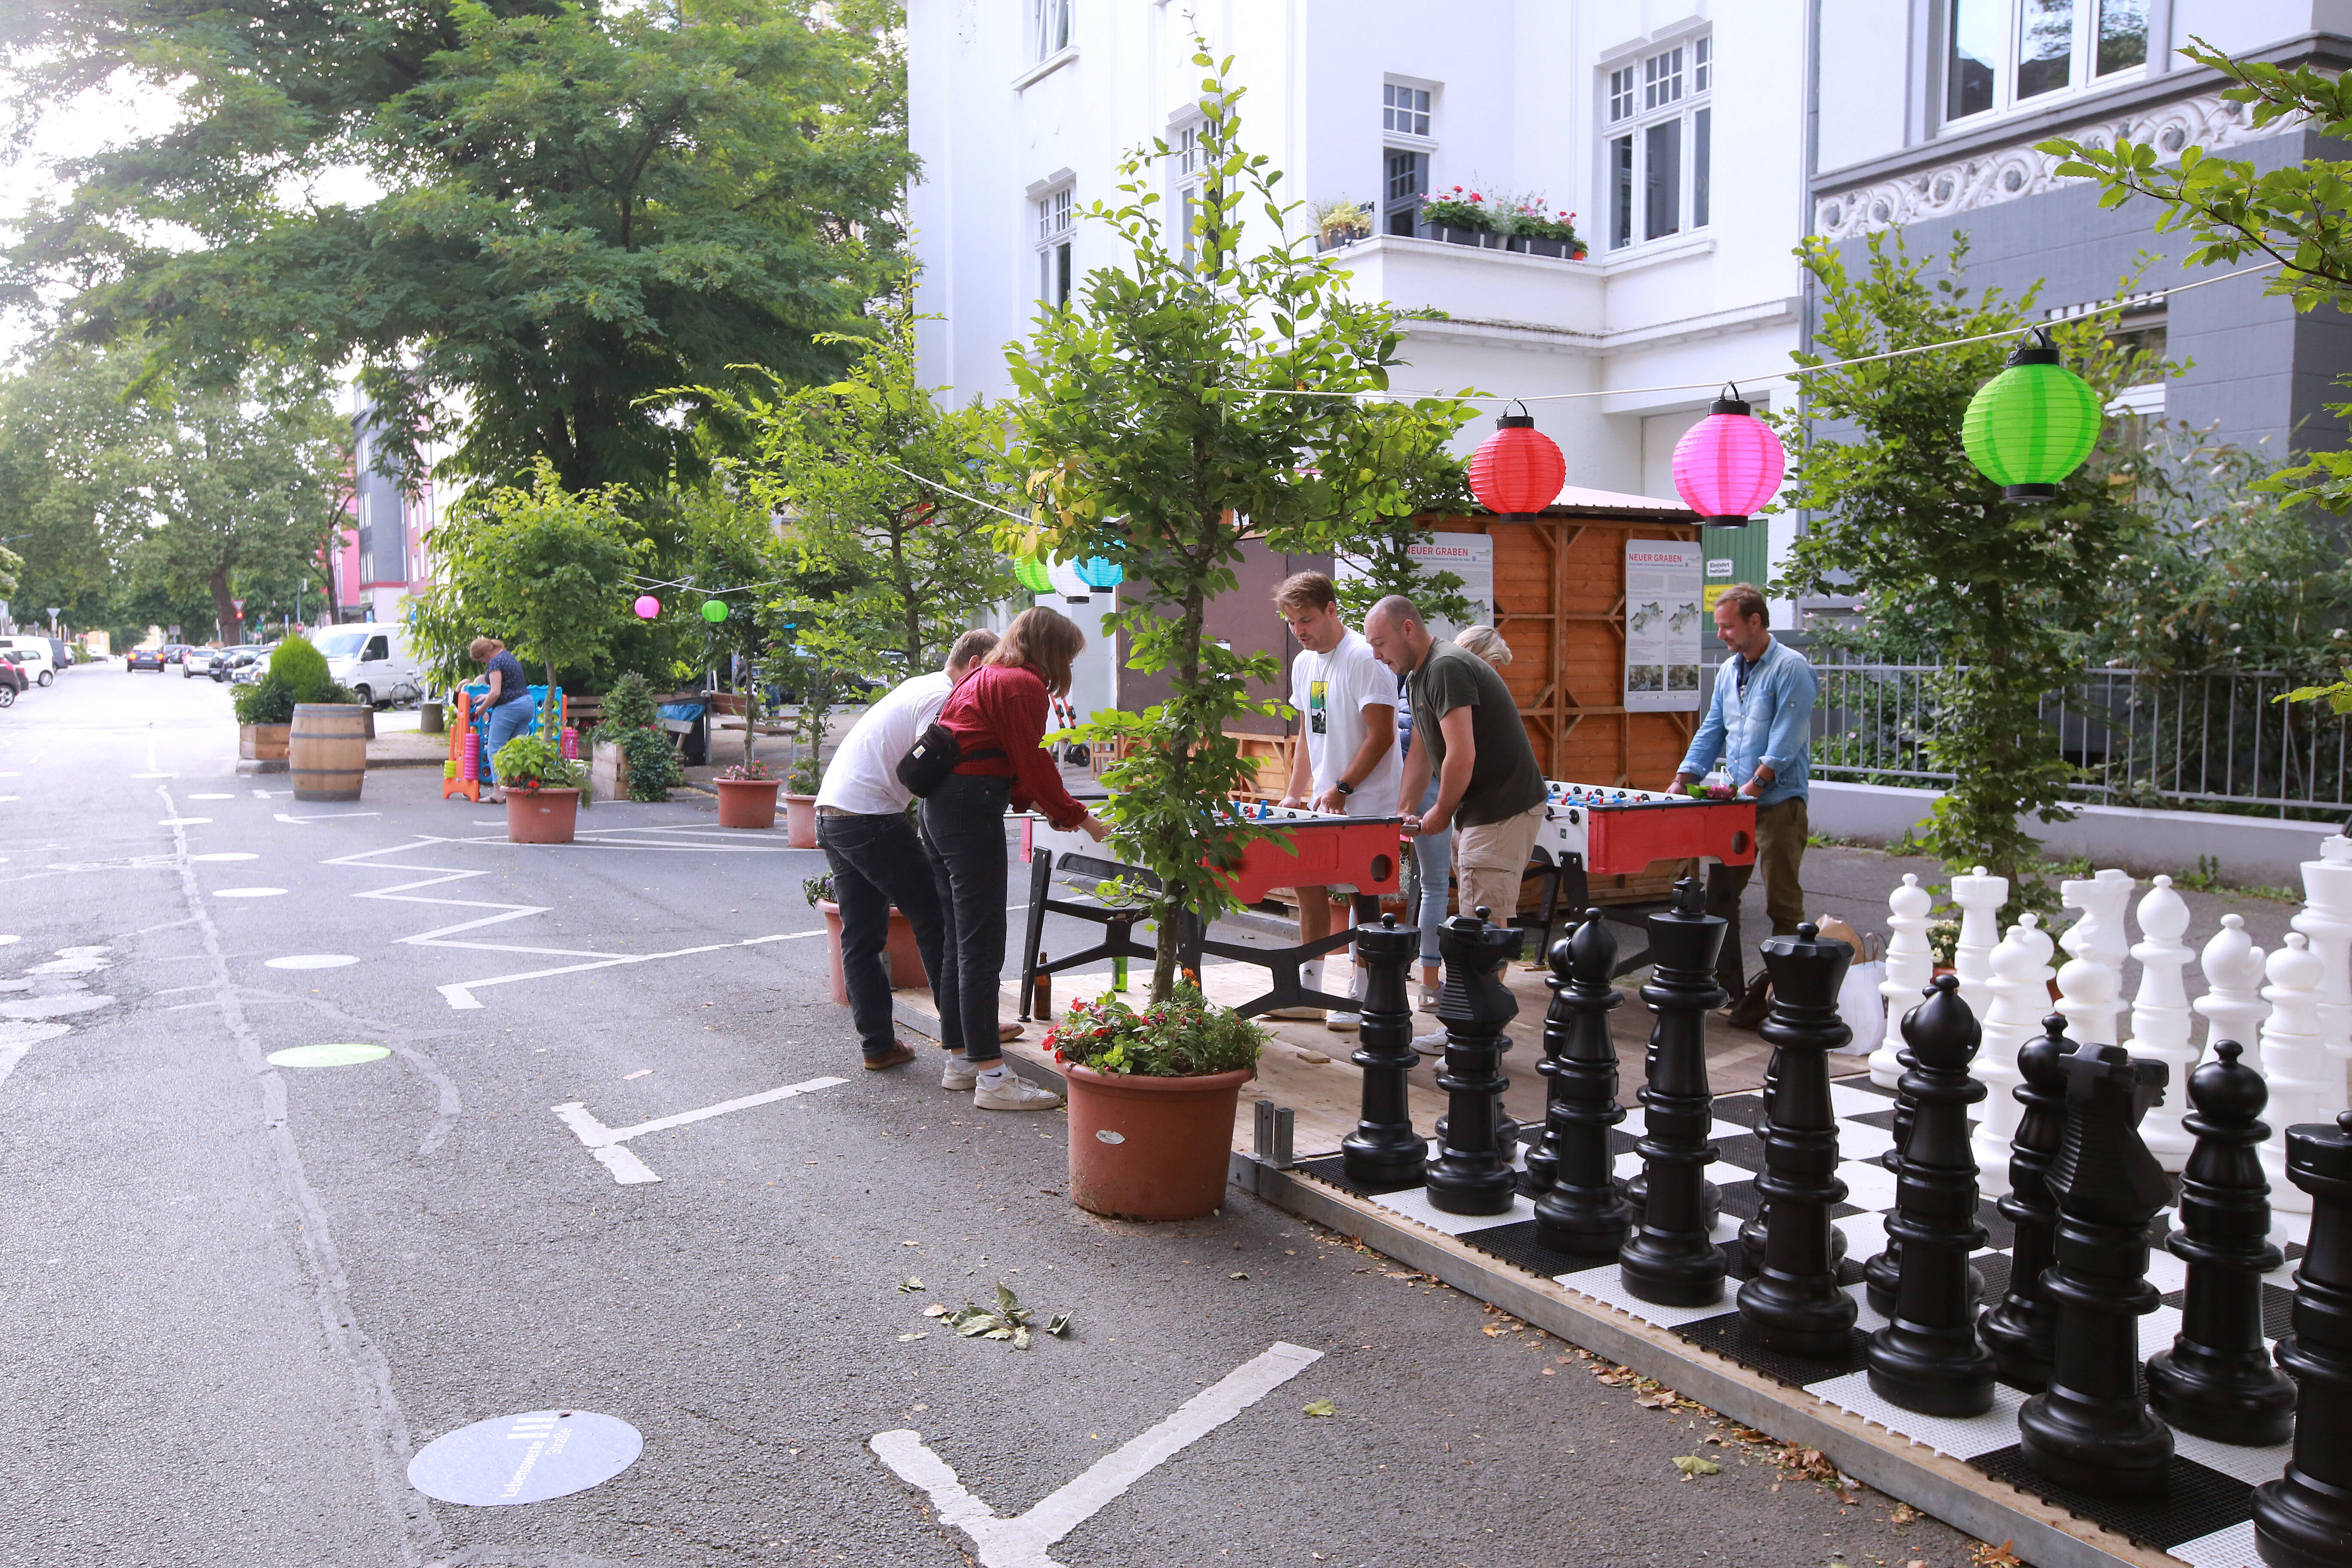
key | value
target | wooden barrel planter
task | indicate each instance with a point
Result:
(326, 751)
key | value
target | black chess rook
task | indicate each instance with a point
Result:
(2304, 1520)
(1473, 1174)
(1672, 1259)
(2092, 1429)
(1582, 1210)
(2218, 1380)
(1928, 1358)
(2021, 1330)
(1384, 1150)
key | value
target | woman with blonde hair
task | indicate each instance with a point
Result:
(998, 715)
(509, 703)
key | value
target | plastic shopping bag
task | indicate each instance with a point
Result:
(1862, 1008)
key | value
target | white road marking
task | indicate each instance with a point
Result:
(324, 816)
(182, 821)
(226, 855)
(603, 1143)
(17, 1038)
(212, 798)
(309, 961)
(157, 777)
(1022, 1540)
(248, 892)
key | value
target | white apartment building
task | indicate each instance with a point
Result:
(1676, 130)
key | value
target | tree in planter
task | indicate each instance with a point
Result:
(818, 653)
(1901, 516)
(736, 562)
(628, 724)
(1157, 422)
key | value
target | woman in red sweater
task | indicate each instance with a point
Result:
(998, 715)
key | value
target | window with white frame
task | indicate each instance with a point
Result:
(1049, 27)
(1055, 213)
(1185, 172)
(2015, 54)
(1406, 144)
(1658, 143)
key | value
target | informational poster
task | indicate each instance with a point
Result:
(1665, 588)
(1469, 556)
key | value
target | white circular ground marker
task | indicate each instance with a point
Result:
(181, 821)
(310, 960)
(227, 855)
(246, 892)
(530, 1458)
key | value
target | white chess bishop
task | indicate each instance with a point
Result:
(1910, 965)
(2160, 1018)
(2326, 920)
(2293, 1060)
(2020, 1000)
(2232, 1004)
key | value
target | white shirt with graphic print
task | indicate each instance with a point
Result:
(1331, 691)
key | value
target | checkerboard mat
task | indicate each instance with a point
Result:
(2205, 1516)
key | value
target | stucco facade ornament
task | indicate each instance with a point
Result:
(2007, 173)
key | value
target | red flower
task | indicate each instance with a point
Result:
(1474, 195)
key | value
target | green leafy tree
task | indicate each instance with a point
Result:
(1161, 423)
(74, 454)
(1380, 547)
(2004, 589)
(574, 205)
(737, 561)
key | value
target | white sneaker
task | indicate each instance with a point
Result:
(1340, 1022)
(1427, 1000)
(1433, 1041)
(958, 1073)
(1013, 1092)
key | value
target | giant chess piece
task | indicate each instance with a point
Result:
(2020, 999)
(1472, 1174)
(1793, 1304)
(1979, 895)
(1927, 1359)
(2326, 920)
(2233, 1006)
(2091, 1429)
(2161, 1016)
(2304, 1520)
(2217, 1380)
(1910, 965)
(2293, 1060)
(2091, 981)
(2021, 1330)
(1670, 1259)
(1583, 1214)
(1384, 1150)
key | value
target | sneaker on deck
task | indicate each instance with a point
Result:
(1340, 1022)
(1013, 1092)
(958, 1073)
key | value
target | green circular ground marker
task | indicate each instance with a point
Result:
(339, 1056)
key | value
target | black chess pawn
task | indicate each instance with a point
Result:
(1584, 1212)
(1793, 1304)
(1472, 1174)
(2217, 1380)
(2092, 1428)
(1883, 1272)
(1384, 1150)
(1671, 1258)
(1927, 1359)
(2304, 1520)
(2022, 1328)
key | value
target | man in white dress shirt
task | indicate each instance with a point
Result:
(878, 859)
(1346, 763)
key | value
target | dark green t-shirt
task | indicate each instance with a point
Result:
(1504, 777)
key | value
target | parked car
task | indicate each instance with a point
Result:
(174, 651)
(197, 661)
(61, 653)
(140, 659)
(12, 681)
(247, 656)
(39, 666)
(373, 660)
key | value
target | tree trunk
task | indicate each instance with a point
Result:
(1188, 674)
(224, 605)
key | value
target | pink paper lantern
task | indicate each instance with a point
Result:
(1728, 464)
(647, 607)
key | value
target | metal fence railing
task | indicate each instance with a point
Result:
(2219, 739)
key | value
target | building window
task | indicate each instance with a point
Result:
(2007, 53)
(1404, 110)
(1659, 163)
(1049, 27)
(1407, 123)
(1054, 216)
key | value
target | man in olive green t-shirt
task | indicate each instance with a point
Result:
(1466, 722)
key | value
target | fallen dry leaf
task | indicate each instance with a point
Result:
(1904, 1514)
(909, 1285)
(1999, 1556)
(1322, 1407)
(1692, 1465)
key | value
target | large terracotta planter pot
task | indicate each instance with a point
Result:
(326, 751)
(751, 803)
(800, 821)
(541, 816)
(904, 959)
(1150, 1148)
(263, 743)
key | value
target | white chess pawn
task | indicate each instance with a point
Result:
(2234, 1006)
(2020, 1000)
(1910, 965)
(2293, 1060)
(1979, 895)
(2091, 983)
(2160, 1018)
(2326, 920)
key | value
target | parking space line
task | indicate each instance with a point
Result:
(603, 1143)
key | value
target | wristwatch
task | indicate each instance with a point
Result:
(1344, 788)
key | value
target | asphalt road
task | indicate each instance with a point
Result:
(237, 1297)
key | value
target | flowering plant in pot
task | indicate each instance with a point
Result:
(747, 795)
(1152, 1094)
(1542, 230)
(904, 957)
(1462, 217)
(1338, 223)
(543, 789)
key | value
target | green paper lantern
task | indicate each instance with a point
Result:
(714, 610)
(2032, 425)
(1031, 575)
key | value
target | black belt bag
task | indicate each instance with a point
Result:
(934, 755)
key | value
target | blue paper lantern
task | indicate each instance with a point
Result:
(1099, 572)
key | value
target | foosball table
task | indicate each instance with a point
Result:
(1605, 830)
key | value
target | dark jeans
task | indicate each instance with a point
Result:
(964, 820)
(877, 862)
(1781, 830)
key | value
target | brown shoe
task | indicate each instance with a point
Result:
(1748, 1013)
(899, 1054)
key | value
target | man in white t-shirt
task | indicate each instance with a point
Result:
(1347, 762)
(878, 859)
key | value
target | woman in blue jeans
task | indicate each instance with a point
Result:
(1433, 856)
(508, 704)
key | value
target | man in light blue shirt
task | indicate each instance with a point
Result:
(1760, 728)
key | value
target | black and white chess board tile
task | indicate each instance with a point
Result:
(2206, 1517)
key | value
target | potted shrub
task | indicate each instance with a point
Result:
(1541, 231)
(1152, 1096)
(265, 718)
(747, 797)
(1460, 218)
(801, 782)
(904, 959)
(543, 789)
(1340, 223)
(628, 753)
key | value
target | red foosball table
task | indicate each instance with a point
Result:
(1604, 830)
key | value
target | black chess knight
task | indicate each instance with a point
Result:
(1384, 1150)
(1583, 1211)
(1672, 1259)
(2304, 1520)
(1473, 1174)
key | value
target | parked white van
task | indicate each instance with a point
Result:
(371, 659)
(40, 665)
